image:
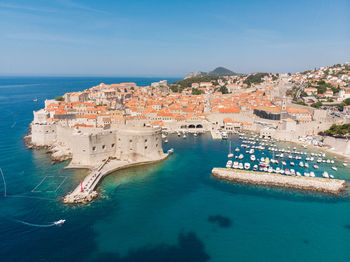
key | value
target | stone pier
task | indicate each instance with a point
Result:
(333, 186)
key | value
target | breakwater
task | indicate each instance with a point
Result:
(85, 192)
(333, 186)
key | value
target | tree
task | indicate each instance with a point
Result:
(196, 91)
(317, 104)
(59, 98)
(347, 101)
(223, 90)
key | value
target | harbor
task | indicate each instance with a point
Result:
(332, 186)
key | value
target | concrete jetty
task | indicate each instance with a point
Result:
(86, 192)
(333, 186)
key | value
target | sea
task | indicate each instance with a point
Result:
(169, 211)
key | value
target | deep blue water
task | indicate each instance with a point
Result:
(170, 211)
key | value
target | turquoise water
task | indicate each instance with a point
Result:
(158, 212)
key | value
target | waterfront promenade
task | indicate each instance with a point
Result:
(333, 186)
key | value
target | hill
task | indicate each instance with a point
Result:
(219, 71)
(222, 71)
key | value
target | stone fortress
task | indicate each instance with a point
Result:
(88, 147)
(102, 149)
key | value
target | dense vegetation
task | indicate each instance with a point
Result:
(188, 82)
(322, 87)
(196, 91)
(223, 90)
(336, 130)
(317, 104)
(222, 71)
(255, 78)
(59, 98)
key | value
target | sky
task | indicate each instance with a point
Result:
(170, 38)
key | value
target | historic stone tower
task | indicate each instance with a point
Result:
(284, 113)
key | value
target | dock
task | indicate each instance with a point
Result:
(85, 192)
(326, 185)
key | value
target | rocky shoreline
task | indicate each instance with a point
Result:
(58, 153)
(325, 185)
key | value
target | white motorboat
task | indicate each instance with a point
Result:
(331, 176)
(240, 166)
(247, 166)
(287, 172)
(325, 174)
(334, 168)
(345, 164)
(306, 165)
(230, 155)
(284, 163)
(252, 158)
(235, 165)
(298, 173)
(306, 174)
(237, 149)
(241, 156)
(292, 172)
(270, 170)
(255, 167)
(59, 222)
(292, 163)
(301, 164)
(319, 160)
(184, 136)
(312, 174)
(315, 166)
(166, 141)
(171, 150)
(224, 135)
(229, 164)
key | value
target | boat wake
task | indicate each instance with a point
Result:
(56, 223)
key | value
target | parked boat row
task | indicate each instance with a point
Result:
(264, 167)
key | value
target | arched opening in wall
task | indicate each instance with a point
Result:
(93, 148)
(145, 140)
(269, 137)
(103, 146)
(191, 126)
(145, 147)
(263, 136)
(112, 145)
(199, 126)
